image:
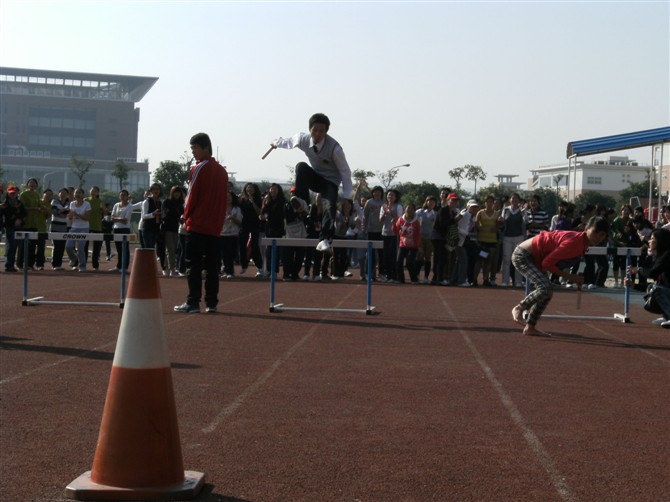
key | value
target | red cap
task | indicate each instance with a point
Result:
(12, 189)
(453, 196)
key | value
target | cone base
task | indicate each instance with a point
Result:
(83, 488)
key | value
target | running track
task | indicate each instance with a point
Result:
(438, 397)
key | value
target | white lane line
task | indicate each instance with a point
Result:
(265, 376)
(628, 342)
(542, 455)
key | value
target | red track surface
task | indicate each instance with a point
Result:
(439, 397)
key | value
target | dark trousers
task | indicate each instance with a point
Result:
(307, 179)
(181, 253)
(603, 268)
(589, 269)
(97, 247)
(408, 254)
(202, 253)
(10, 248)
(229, 249)
(292, 259)
(250, 237)
(340, 261)
(390, 255)
(122, 249)
(439, 261)
(377, 254)
(59, 244)
(32, 250)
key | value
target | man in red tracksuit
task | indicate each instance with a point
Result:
(204, 214)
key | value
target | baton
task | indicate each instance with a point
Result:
(268, 152)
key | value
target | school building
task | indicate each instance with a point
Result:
(48, 117)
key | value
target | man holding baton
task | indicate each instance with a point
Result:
(327, 169)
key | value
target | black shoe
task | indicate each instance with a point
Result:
(211, 310)
(11, 269)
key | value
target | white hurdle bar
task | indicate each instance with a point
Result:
(78, 236)
(336, 243)
(600, 251)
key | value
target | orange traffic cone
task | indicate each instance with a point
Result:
(138, 455)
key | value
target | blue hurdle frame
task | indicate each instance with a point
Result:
(365, 244)
(39, 300)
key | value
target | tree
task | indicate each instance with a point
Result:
(640, 189)
(557, 180)
(416, 193)
(549, 200)
(386, 178)
(171, 173)
(496, 190)
(361, 174)
(474, 173)
(120, 172)
(457, 174)
(80, 167)
(595, 198)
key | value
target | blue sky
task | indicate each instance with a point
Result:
(503, 85)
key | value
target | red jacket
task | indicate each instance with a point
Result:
(409, 232)
(205, 209)
(550, 248)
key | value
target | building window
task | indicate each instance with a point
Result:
(594, 180)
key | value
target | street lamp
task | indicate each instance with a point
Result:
(44, 178)
(401, 165)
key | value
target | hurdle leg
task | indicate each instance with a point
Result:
(124, 264)
(369, 308)
(626, 295)
(273, 264)
(26, 243)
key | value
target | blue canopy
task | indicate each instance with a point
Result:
(619, 142)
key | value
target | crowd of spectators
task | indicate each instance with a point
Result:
(445, 241)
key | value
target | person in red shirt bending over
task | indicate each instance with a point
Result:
(204, 214)
(553, 252)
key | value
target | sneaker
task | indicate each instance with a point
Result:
(347, 273)
(334, 278)
(188, 309)
(82, 269)
(325, 246)
(444, 283)
(229, 276)
(259, 274)
(591, 287)
(58, 268)
(318, 278)
(466, 284)
(210, 310)
(11, 269)
(305, 277)
(659, 321)
(166, 273)
(115, 269)
(425, 280)
(665, 325)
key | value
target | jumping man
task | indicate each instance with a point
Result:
(327, 169)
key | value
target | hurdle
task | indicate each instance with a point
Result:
(600, 251)
(336, 243)
(26, 237)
